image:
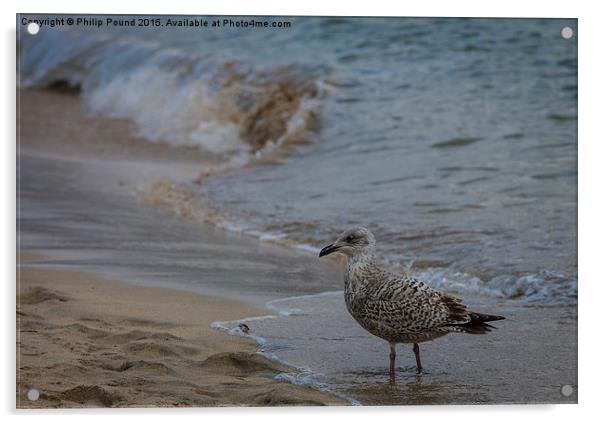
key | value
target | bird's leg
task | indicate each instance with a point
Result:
(392, 363)
(416, 350)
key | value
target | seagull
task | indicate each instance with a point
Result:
(397, 307)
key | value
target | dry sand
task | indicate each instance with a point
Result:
(86, 341)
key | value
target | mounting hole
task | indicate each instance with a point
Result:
(566, 390)
(567, 32)
(33, 394)
(33, 28)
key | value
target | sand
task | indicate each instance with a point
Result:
(87, 341)
(84, 340)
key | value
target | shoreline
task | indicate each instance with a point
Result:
(87, 341)
(79, 163)
(46, 140)
(155, 248)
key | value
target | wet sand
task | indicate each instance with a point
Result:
(79, 211)
(56, 122)
(87, 341)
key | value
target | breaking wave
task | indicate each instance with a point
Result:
(222, 106)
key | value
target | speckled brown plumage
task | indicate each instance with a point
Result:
(397, 307)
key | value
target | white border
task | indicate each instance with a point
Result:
(507, 8)
(589, 34)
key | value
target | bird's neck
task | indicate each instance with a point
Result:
(356, 265)
(357, 260)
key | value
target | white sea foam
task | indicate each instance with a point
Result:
(270, 237)
(308, 248)
(303, 376)
(165, 108)
(233, 328)
(313, 380)
(544, 287)
(282, 311)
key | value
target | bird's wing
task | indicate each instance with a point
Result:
(412, 306)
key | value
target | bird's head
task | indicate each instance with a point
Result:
(354, 242)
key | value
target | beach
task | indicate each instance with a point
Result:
(131, 300)
(174, 191)
(86, 341)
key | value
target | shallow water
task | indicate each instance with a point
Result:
(458, 369)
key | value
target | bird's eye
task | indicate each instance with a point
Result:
(350, 238)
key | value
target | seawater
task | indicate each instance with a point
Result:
(340, 357)
(453, 140)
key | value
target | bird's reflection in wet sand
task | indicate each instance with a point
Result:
(410, 388)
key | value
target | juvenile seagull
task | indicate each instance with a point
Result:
(397, 307)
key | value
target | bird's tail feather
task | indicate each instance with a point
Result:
(476, 328)
(477, 324)
(482, 317)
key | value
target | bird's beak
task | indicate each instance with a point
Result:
(328, 250)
